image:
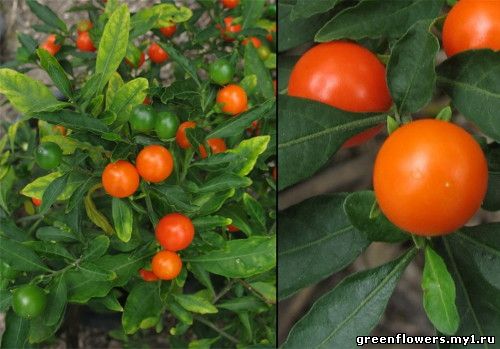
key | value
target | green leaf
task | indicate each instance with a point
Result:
(55, 234)
(205, 343)
(210, 222)
(379, 19)
(26, 94)
(115, 82)
(143, 307)
(223, 182)
(358, 206)
(256, 212)
(315, 232)
(50, 249)
(73, 121)
(359, 302)
(410, 72)
(179, 312)
(16, 331)
(15, 253)
(113, 45)
(94, 215)
(252, 10)
(182, 61)
(52, 192)
(5, 299)
(237, 125)
(211, 202)
(76, 198)
(194, 303)
(305, 127)
(127, 97)
(445, 114)
(249, 150)
(307, 8)
(96, 248)
(265, 289)
(285, 67)
(469, 79)
(240, 258)
(47, 15)
(123, 219)
(55, 71)
(37, 188)
(477, 301)
(83, 285)
(492, 200)
(28, 42)
(439, 294)
(255, 66)
(293, 33)
(245, 303)
(56, 301)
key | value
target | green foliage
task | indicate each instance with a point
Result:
(324, 234)
(82, 246)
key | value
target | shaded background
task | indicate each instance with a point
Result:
(351, 170)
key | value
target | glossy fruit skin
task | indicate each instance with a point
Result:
(472, 24)
(148, 275)
(217, 145)
(230, 4)
(36, 202)
(221, 72)
(50, 45)
(142, 118)
(48, 155)
(255, 41)
(166, 265)
(233, 99)
(430, 177)
(264, 52)
(343, 75)
(142, 59)
(29, 301)
(169, 31)
(174, 232)
(84, 42)
(154, 163)
(120, 179)
(180, 136)
(84, 26)
(166, 125)
(157, 54)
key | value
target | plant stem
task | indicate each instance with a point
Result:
(225, 290)
(216, 329)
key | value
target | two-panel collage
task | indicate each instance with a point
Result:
(249, 174)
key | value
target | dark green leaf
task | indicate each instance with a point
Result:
(73, 121)
(305, 127)
(56, 301)
(237, 125)
(50, 195)
(378, 19)
(97, 247)
(359, 301)
(255, 66)
(55, 234)
(315, 233)
(240, 258)
(195, 303)
(15, 253)
(55, 71)
(469, 78)
(292, 33)
(47, 15)
(252, 11)
(410, 71)
(143, 307)
(358, 206)
(28, 42)
(16, 332)
(182, 61)
(308, 8)
(285, 67)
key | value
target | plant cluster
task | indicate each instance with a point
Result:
(139, 180)
(375, 63)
